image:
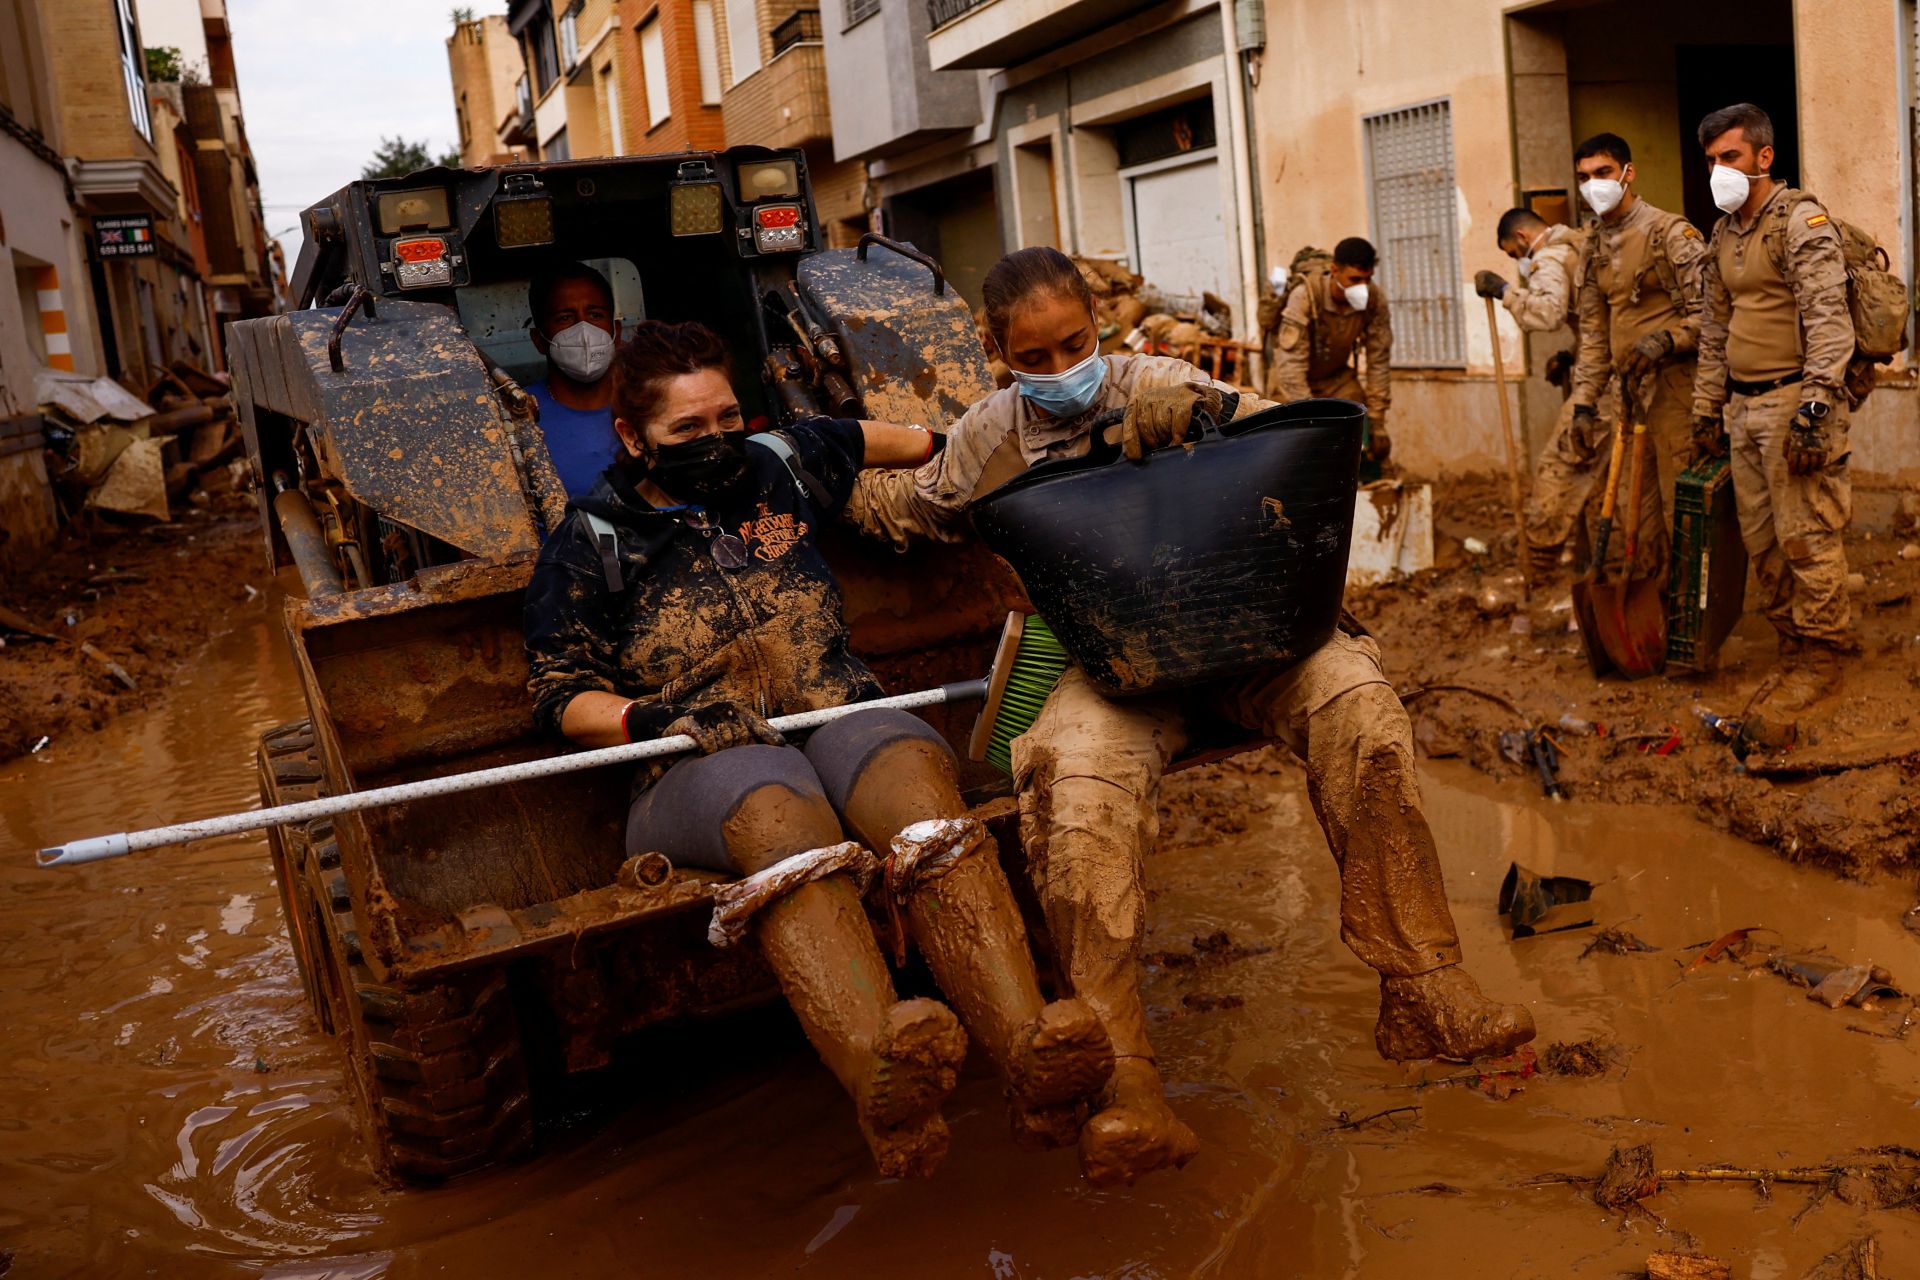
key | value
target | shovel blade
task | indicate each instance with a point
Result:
(1628, 624)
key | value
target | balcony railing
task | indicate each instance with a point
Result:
(941, 12)
(802, 26)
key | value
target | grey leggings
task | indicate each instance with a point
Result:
(685, 813)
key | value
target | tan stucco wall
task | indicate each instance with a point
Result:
(1351, 60)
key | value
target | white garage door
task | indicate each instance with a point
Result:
(1179, 230)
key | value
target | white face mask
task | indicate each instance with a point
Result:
(1524, 263)
(1356, 296)
(1603, 195)
(582, 351)
(1730, 187)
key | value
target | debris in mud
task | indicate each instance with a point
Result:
(1628, 1178)
(1217, 947)
(1885, 1177)
(1581, 1058)
(1736, 945)
(1534, 903)
(1669, 1265)
(1616, 941)
(1346, 1122)
(1857, 1261)
(1200, 1002)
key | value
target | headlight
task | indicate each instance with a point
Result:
(769, 180)
(694, 200)
(398, 211)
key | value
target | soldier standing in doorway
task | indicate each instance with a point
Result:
(1550, 259)
(1775, 339)
(1638, 301)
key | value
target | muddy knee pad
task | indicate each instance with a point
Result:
(686, 814)
(884, 770)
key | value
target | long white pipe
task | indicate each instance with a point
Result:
(114, 846)
(1248, 328)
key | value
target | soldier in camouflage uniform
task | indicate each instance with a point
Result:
(1775, 341)
(1638, 301)
(1550, 260)
(1325, 323)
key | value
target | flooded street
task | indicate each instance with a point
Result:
(166, 1107)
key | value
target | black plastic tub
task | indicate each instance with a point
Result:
(1199, 563)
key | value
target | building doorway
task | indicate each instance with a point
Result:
(1714, 76)
(956, 220)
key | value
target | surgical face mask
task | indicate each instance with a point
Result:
(1065, 395)
(1525, 261)
(700, 470)
(1603, 195)
(1356, 295)
(1730, 187)
(581, 351)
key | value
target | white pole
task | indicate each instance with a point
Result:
(114, 846)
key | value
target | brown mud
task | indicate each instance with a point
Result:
(144, 598)
(167, 1108)
(1843, 796)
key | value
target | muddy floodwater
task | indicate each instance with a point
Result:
(166, 1107)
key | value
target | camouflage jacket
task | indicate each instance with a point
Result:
(1641, 274)
(682, 631)
(1318, 340)
(995, 440)
(1818, 340)
(1545, 299)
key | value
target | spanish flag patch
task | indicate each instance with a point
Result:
(1817, 220)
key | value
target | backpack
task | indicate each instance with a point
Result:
(1308, 262)
(1876, 297)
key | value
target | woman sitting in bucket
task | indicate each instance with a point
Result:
(1089, 767)
(686, 595)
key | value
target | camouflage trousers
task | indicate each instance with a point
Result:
(1794, 526)
(1571, 467)
(1089, 772)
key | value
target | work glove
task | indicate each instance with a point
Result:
(1160, 416)
(1559, 371)
(1807, 444)
(1379, 443)
(1709, 437)
(1490, 284)
(1645, 355)
(718, 726)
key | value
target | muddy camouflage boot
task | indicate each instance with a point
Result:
(888, 775)
(1444, 1014)
(1134, 1132)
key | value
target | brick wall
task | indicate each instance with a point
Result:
(693, 125)
(83, 56)
(784, 104)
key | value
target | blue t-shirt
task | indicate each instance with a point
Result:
(580, 441)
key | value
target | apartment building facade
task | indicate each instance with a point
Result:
(551, 80)
(1107, 128)
(1418, 125)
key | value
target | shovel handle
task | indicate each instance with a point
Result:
(1604, 531)
(1633, 496)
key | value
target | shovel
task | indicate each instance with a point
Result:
(1623, 623)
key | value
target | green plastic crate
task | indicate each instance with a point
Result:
(1707, 577)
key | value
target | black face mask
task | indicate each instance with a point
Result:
(700, 470)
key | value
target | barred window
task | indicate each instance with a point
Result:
(859, 11)
(1416, 229)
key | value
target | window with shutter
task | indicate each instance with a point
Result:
(1416, 229)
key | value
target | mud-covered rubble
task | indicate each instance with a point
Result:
(1843, 795)
(100, 624)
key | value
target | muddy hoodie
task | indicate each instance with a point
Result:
(681, 631)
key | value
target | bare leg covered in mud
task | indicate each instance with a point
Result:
(1087, 773)
(886, 771)
(1338, 713)
(749, 808)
